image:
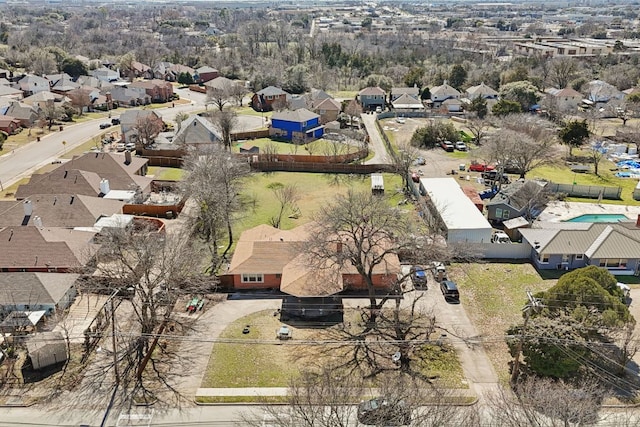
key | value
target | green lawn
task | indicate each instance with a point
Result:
(315, 190)
(165, 173)
(318, 147)
(249, 111)
(493, 296)
(346, 94)
(274, 364)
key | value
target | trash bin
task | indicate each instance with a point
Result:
(461, 166)
(61, 128)
(38, 138)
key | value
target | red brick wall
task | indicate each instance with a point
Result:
(270, 282)
(380, 281)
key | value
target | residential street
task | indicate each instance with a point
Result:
(22, 162)
(375, 141)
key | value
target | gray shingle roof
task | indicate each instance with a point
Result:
(300, 115)
(34, 288)
(271, 91)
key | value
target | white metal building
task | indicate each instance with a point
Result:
(461, 219)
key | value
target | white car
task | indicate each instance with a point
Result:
(401, 120)
(461, 146)
(500, 237)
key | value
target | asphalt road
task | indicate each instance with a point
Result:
(375, 141)
(23, 161)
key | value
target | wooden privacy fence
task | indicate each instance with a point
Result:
(267, 166)
(302, 158)
(589, 191)
(252, 134)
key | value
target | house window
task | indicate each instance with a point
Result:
(252, 278)
(565, 258)
(613, 262)
(498, 212)
(579, 256)
(544, 258)
(505, 214)
(269, 97)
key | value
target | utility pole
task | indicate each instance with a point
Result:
(534, 305)
(113, 341)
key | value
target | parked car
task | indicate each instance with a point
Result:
(130, 146)
(500, 237)
(378, 110)
(461, 146)
(120, 146)
(115, 121)
(105, 125)
(447, 146)
(450, 290)
(494, 175)
(401, 120)
(439, 271)
(418, 277)
(420, 161)
(480, 167)
(382, 411)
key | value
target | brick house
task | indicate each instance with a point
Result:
(269, 98)
(157, 90)
(9, 124)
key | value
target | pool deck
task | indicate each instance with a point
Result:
(562, 211)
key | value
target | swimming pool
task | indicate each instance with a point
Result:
(599, 218)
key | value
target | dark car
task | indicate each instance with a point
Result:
(450, 290)
(418, 276)
(115, 121)
(384, 412)
(105, 125)
(495, 176)
(447, 146)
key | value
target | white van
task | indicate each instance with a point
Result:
(500, 237)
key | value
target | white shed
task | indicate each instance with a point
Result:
(377, 183)
(462, 220)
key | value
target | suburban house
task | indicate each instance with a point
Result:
(129, 96)
(43, 249)
(520, 198)
(328, 109)
(36, 291)
(220, 83)
(296, 126)
(157, 90)
(481, 91)
(25, 113)
(371, 98)
(570, 245)
(397, 92)
(57, 210)
(89, 98)
(105, 74)
(441, 93)
(10, 94)
(82, 174)
(61, 83)
(565, 100)
(130, 121)
(141, 70)
(269, 98)
(205, 73)
(197, 131)
(31, 84)
(407, 103)
(451, 105)
(270, 258)
(177, 69)
(10, 125)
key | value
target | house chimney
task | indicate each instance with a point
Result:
(37, 221)
(28, 207)
(104, 186)
(638, 221)
(72, 199)
(127, 157)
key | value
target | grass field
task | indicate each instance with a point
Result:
(165, 173)
(249, 111)
(493, 296)
(317, 147)
(344, 94)
(264, 362)
(314, 189)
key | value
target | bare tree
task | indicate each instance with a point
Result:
(563, 70)
(287, 196)
(214, 181)
(353, 109)
(49, 113)
(546, 402)
(221, 94)
(478, 128)
(148, 128)
(225, 121)
(80, 100)
(523, 143)
(155, 268)
(402, 162)
(180, 117)
(595, 153)
(270, 151)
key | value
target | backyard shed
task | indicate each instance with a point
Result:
(458, 216)
(46, 349)
(377, 183)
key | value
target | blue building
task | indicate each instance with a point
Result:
(297, 126)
